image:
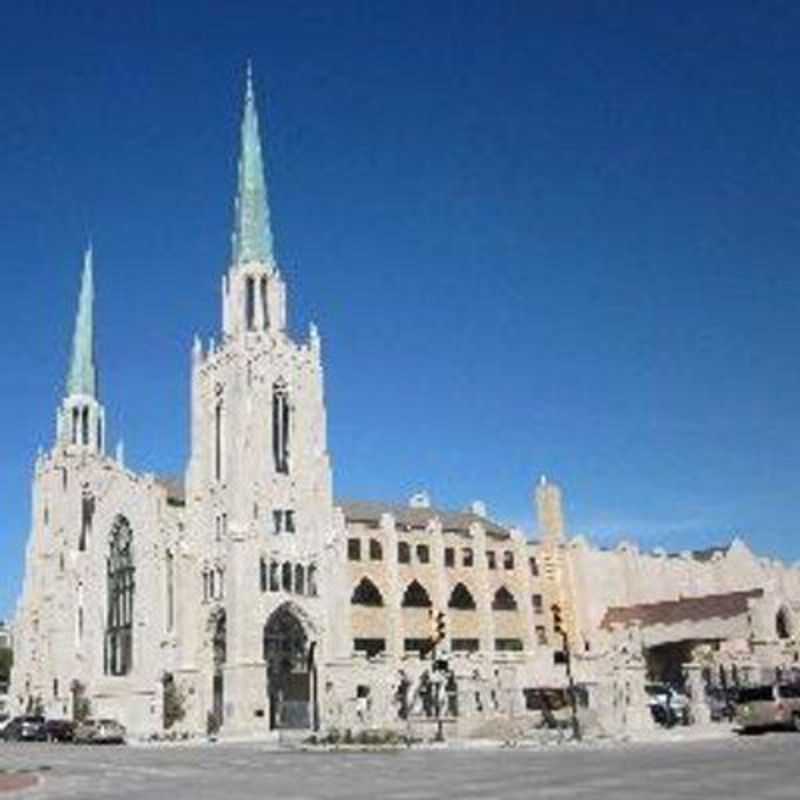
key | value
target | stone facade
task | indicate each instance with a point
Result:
(249, 599)
(245, 589)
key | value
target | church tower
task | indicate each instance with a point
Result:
(258, 415)
(81, 417)
(259, 489)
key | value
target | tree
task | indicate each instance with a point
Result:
(81, 709)
(174, 701)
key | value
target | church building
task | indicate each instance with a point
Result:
(246, 587)
(249, 597)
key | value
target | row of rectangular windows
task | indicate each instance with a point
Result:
(374, 646)
(283, 520)
(275, 577)
(424, 555)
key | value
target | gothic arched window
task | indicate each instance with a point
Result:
(120, 583)
(416, 596)
(87, 515)
(504, 600)
(280, 426)
(299, 579)
(286, 577)
(218, 441)
(170, 586)
(85, 426)
(250, 303)
(461, 598)
(264, 304)
(783, 626)
(366, 594)
(312, 581)
(263, 575)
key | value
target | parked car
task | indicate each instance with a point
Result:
(667, 705)
(768, 706)
(721, 703)
(99, 731)
(59, 730)
(29, 728)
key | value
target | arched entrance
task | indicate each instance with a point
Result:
(290, 670)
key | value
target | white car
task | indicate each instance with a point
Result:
(667, 705)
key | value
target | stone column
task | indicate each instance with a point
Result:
(394, 634)
(525, 602)
(245, 701)
(485, 596)
(637, 712)
(701, 714)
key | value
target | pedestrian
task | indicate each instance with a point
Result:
(401, 694)
(426, 693)
(451, 688)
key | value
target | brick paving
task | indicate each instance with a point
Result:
(14, 782)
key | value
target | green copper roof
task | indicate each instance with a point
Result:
(252, 237)
(82, 375)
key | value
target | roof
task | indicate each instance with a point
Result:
(371, 512)
(709, 553)
(686, 609)
(705, 555)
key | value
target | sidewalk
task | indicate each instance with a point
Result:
(681, 733)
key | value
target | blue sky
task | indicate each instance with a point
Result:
(534, 240)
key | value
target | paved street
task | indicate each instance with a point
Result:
(756, 768)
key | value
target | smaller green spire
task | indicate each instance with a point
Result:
(252, 237)
(82, 378)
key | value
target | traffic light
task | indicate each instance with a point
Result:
(441, 626)
(558, 625)
(438, 625)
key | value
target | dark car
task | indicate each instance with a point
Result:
(59, 730)
(29, 728)
(721, 703)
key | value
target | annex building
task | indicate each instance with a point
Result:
(246, 590)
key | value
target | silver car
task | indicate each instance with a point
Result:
(768, 706)
(100, 731)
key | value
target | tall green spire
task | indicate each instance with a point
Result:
(252, 237)
(82, 374)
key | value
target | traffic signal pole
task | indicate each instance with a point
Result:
(438, 630)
